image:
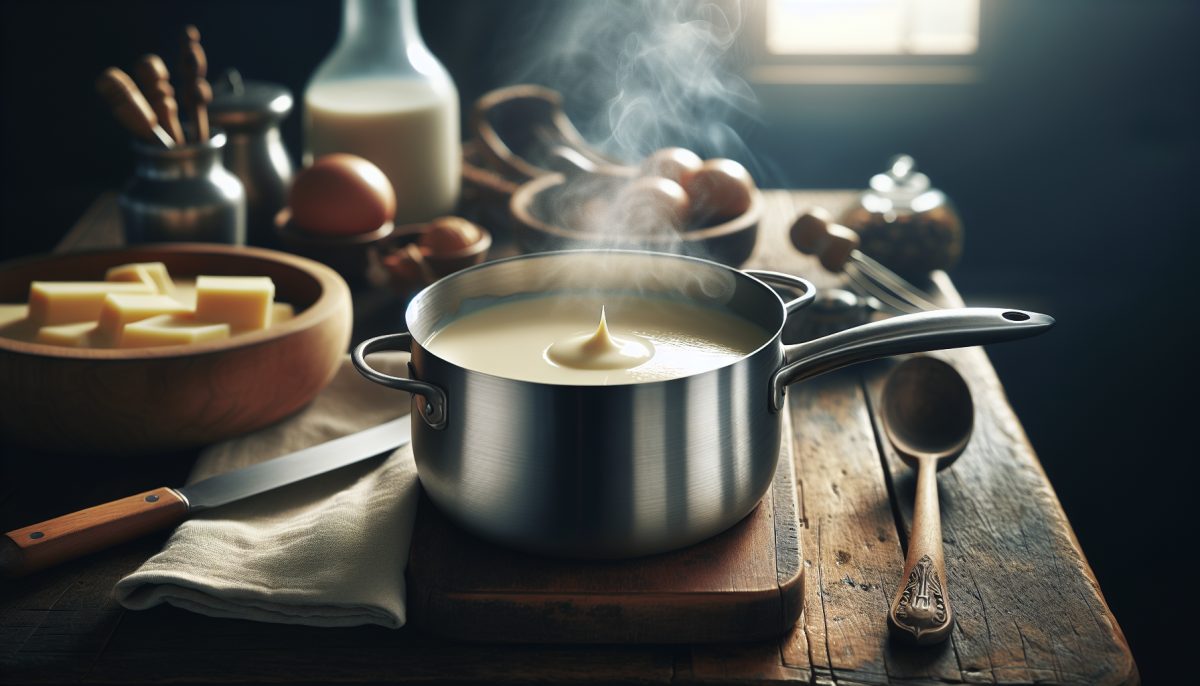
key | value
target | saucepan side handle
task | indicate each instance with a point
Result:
(910, 333)
(807, 291)
(431, 400)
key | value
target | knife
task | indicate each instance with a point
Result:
(72, 535)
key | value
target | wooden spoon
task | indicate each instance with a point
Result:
(130, 107)
(928, 416)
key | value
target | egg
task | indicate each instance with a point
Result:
(720, 190)
(650, 204)
(671, 163)
(449, 235)
(341, 195)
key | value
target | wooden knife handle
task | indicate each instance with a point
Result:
(129, 106)
(152, 75)
(194, 89)
(72, 535)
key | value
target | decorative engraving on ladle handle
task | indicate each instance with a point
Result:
(921, 610)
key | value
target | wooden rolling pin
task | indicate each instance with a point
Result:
(152, 75)
(130, 108)
(195, 91)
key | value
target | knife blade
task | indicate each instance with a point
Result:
(47, 543)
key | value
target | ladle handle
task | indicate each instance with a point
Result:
(921, 610)
(430, 400)
(909, 333)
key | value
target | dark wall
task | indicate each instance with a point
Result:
(1072, 160)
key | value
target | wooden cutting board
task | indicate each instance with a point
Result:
(744, 584)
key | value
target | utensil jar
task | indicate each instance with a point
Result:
(183, 194)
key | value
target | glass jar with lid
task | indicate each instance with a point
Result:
(905, 223)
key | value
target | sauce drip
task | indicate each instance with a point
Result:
(599, 350)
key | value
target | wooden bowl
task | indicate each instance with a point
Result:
(729, 242)
(436, 266)
(113, 402)
(347, 255)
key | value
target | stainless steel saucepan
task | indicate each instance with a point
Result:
(634, 469)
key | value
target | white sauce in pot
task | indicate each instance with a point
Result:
(596, 340)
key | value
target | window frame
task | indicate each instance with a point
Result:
(768, 68)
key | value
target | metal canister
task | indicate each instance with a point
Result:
(183, 194)
(250, 113)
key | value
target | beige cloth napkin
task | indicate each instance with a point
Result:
(328, 551)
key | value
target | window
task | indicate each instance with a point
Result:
(866, 42)
(872, 27)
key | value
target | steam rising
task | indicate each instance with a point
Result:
(639, 75)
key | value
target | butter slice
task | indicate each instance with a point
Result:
(77, 335)
(153, 274)
(171, 329)
(67, 302)
(281, 312)
(120, 309)
(243, 302)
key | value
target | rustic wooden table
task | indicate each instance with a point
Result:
(1029, 609)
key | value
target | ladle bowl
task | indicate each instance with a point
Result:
(927, 411)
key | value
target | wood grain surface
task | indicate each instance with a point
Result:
(1028, 608)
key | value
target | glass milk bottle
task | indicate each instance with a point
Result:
(382, 95)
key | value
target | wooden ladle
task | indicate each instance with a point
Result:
(928, 416)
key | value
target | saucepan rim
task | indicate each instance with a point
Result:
(770, 340)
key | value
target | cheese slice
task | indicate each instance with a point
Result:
(171, 329)
(243, 302)
(67, 302)
(281, 312)
(121, 309)
(153, 274)
(77, 335)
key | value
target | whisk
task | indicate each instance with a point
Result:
(836, 246)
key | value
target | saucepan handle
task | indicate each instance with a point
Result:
(431, 400)
(807, 291)
(909, 333)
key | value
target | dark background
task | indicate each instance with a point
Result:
(1072, 160)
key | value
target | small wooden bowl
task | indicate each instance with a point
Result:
(729, 242)
(346, 254)
(439, 265)
(113, 402)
